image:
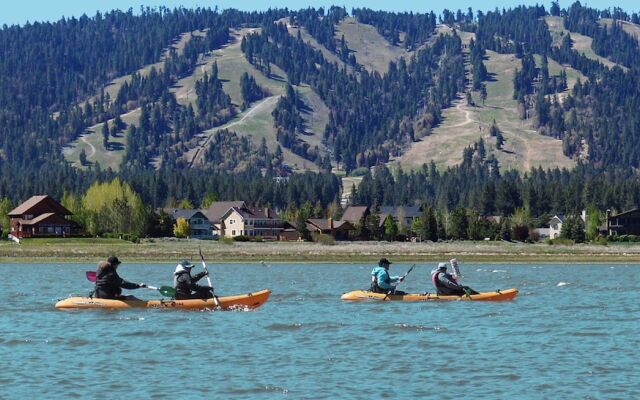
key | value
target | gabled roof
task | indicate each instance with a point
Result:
(264, 213)
(625, 213)
(322, 224)
(559, 216)
(32, 202)
(409, 211)
(187, 214)
(216, 210)
(52, 218)
(353, 214)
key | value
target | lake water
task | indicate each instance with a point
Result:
(572, 332)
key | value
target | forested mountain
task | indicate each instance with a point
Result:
(55, 80)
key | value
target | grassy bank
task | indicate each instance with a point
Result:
(92, 250)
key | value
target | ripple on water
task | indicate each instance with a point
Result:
(412, 327)
(279, 327)
(588, 334)
(257, 390)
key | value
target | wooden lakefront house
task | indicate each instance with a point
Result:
(625, 223)
(41, 216)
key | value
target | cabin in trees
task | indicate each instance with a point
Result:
(355, 214)
(625, 223)
(200, 227)
(403, 215)
(41, 216)
(555, 226)
(339, 230)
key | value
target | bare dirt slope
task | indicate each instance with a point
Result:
(257, 120)
(581, 43)
(91, 140)
(464, 125)
(311, 41)
(372, 51)
(631, 28)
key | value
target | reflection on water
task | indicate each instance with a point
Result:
(571, 333)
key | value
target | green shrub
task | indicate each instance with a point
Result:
(362, 171)
(561, 241)
(241, 238)
(323, 239)
(225, 240)
(258, 239)
(601, 240)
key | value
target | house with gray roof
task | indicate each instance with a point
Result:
(198, 222)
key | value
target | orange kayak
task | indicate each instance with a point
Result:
(240, 302)
(365, 295)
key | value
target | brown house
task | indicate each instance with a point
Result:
(354, 214)
(625, 223)
(340, 230)
(41, 216)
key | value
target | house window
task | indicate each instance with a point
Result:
(233, 232)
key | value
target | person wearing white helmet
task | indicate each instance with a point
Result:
(186, 285)
(446, 284)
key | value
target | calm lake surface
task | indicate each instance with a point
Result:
(573, 332)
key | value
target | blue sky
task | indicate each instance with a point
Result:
(19, 12)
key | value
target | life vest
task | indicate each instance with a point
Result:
(186, 284)
(434, 279)
(375, 287)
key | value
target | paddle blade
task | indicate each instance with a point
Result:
(167, 291)
(91, 276)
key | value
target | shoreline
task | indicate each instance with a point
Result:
(155, 250)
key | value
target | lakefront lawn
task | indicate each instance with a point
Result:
(170, 250)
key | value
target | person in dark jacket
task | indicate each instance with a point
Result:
(446, 284)
(186, 285)
(109, 285)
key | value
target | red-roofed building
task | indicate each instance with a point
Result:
(41, 216)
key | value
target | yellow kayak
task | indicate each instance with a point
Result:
(241, 301)
(365, 295)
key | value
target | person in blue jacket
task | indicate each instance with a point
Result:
(381, 282)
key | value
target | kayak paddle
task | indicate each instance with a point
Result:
(410, 269)
(400, 280)
(164, 290)
(204, 266)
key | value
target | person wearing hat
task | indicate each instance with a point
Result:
(381, 282)
(109, 285)
(446, 284)
(186, 285)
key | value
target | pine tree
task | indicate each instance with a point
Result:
(105, 135)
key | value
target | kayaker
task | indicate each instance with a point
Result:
(381, 282)
(185, 284)
(446, 284)
(109, 285)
